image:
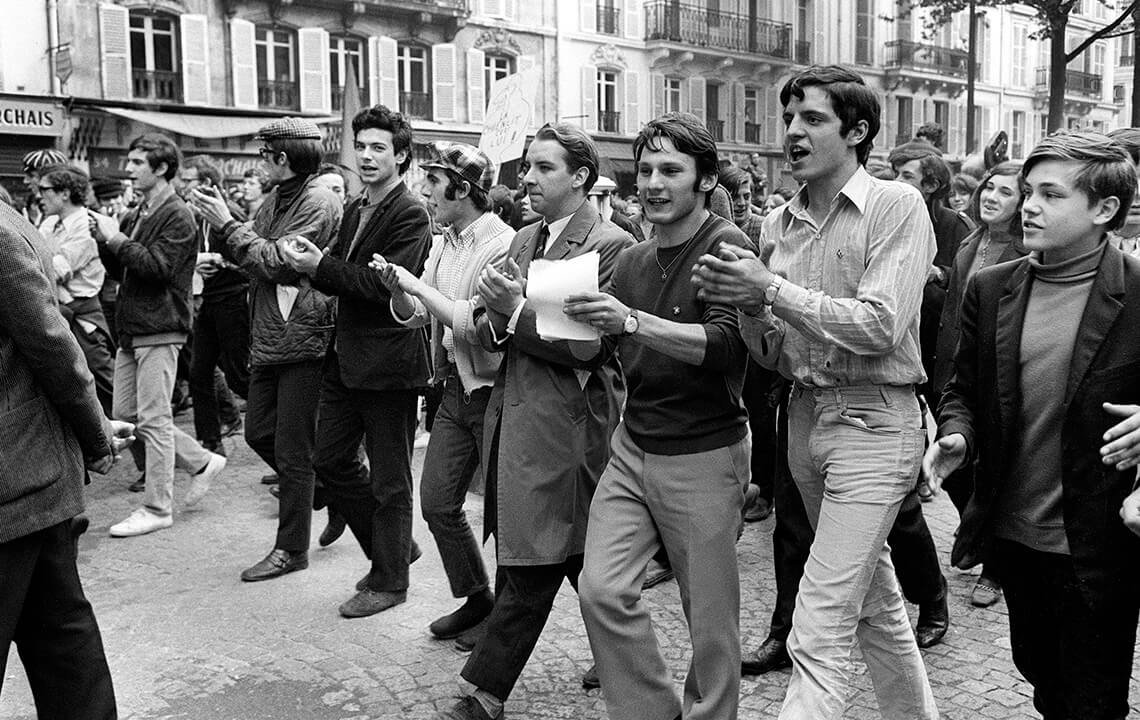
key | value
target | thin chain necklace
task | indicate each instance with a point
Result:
(985, 249)
(665, 268)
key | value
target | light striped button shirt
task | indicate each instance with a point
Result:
(848, 311)
(453, 258)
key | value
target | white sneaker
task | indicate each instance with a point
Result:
(141, 522)
(200, 483)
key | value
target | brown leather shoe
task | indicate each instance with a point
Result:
(275, 564)
(772, 655)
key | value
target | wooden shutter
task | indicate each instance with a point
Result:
(590, 97)
(511, 9)
(373, 71)
(633, 19)
(697, 97)
(632, 116)
(494, 8)
(195, 59)
(315, 87)
(771, 116)
(657, 81)
(389, 79)
(588, 15)
(244, 62)
(737, 112)
(114, 39)
(443, 82)
(476, 89)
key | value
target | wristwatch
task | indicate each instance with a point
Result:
(629, 327)
(773, 290)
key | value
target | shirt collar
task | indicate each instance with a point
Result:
(557, 227)
(477, 229)
(857, 189)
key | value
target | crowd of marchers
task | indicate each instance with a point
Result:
(835, 353)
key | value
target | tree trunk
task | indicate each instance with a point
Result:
(1057, 74)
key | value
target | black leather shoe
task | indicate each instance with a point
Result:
(933, 620)
(333, 530)
(362, 583)
(590, 679)
(276, 564)
(270, 479)
(138, 485)
(655, 574)
(772, 655)
(468, 708)
(369, 602)
(477, 607)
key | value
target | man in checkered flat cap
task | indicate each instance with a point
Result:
(445, 295)
(376, 366)
(290, 325)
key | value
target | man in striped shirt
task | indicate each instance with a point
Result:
(836, 310)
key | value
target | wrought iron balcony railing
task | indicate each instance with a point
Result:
(162, 85)
(416, 104)
(279, 94)
(919, 56)
(1076, 83)
(697, 26)
(609, 121)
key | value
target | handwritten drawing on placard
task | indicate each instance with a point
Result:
(509, 116)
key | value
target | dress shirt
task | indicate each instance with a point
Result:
(848, 310)
(555, 229)
(454, 257)
(78, 269)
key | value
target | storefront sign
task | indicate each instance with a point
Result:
(30, 117)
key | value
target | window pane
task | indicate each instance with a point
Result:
(163, 52)
(282, 64)
(138, 50)
(137, 21)
(262, 62)
(161, 24)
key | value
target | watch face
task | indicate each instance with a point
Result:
(630, 324)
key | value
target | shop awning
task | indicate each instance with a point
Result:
(203, 126)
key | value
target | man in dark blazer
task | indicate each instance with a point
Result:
(552, 411)
(375, 366)
(53, 431)
(1045, 342)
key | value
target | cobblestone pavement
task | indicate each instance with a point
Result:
(186, 639)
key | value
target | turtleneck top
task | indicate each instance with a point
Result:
(1030, 506)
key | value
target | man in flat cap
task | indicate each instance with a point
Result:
(459, 178)
(376, 367)
(290, 325)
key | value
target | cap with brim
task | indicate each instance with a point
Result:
(467, 161)
(290, 128)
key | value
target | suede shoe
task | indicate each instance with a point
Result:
(772, 655)
(362, 583)
(333, 530)
(472, 612)
(590, 679)
(987, 591)
(369, 602)
(655, 574)
(466, 642)
(276, 564)
(933, 620)
(468, 708)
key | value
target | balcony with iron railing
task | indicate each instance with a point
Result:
(695, 27)
(160, 85)
(929, 58)
(716, 129)
(752, 132)
(1077, 83)
(609, 121)
(279, 94)
(416, 104)
(609, 19)
(1127, 60)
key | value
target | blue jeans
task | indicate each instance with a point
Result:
(854, 452)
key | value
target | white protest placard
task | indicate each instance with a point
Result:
(549, 283)
(509, 113)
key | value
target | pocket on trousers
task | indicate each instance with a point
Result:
(31, 449)
(873, 419)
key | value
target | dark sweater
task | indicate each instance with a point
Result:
(1030, 505)
(673, 408)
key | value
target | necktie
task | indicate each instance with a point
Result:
(540, 241)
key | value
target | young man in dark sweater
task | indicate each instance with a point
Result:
(1046, 341)
(680, 459)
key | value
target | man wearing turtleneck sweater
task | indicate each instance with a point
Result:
(1046, 342)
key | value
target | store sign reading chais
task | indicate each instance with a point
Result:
(28, 117)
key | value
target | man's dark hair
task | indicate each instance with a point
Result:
(330, 169)
(1106, 170)
(304, 153)
(261, 176)
(581, 152)
(732, 178)
(932, 132)
(851, 100)
(159, 149)
(206, 167)
(935, 171)
(477, 195)
(1129, 139)
(502, 202)
(65, 178)
(381, 118)
(689, 136)
(785, 192)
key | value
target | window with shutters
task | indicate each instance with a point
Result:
(1019, 76)
(905, 120)
(865, 32)
(804, 30)
(673, 94)
(496, 67)
(1017, 134)
(277, 68)
(414, 80)
(154, 57)
(713, 119)
(609, 112)
(346, 50)
(609, 17)
(751, 115)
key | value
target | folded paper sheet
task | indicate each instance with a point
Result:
(549, 283)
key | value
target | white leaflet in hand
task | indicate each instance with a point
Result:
(549, 283)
